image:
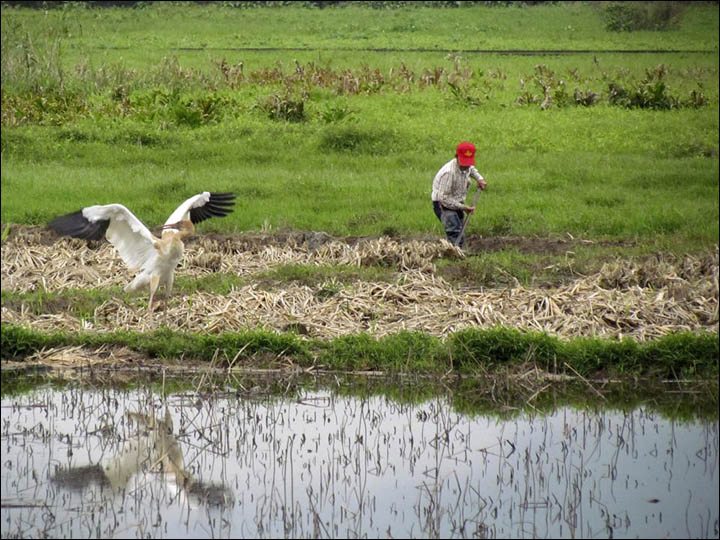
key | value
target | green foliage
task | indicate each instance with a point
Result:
(80, 303)
(652, 92)
(671, 357)
(114, 34)
(102, 120)
(258, 345)
(591, 355)
(337, 113)
(555, 91)
(190, 97)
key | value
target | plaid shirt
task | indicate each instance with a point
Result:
(450, 186)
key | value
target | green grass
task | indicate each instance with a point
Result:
(79, 303)
(575, 25)
(471, 352)
(325, 277)
(215, 283)
(597, 173)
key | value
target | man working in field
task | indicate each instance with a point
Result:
(449, 189)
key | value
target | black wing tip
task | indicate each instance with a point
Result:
(67, 223)
(226, 197)
(220, 204)
(76, 225)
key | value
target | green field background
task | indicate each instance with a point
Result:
(132, 106)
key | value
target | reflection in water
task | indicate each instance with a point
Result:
(109, 463)
(151, 447)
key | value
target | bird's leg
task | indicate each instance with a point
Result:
(154, 282)
(168, 288)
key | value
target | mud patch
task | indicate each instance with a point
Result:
(534, 245)
(251, 241)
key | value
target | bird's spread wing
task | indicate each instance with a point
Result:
(77, 226)
(132, 240)
(203, 206)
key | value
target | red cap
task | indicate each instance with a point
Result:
(466, 153)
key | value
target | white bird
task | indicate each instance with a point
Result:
(154, 258)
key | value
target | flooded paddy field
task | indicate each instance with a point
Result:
(276, 456)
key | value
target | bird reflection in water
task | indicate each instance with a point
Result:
(151, 448)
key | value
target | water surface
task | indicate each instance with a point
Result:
(131, 463)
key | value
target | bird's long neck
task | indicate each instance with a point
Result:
(179, 230)
(170, 244)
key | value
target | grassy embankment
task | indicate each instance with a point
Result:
(105, 106)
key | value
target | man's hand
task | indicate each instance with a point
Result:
(481, 184)
(469, 209)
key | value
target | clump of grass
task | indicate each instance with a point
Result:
(488, 270)
(339, 112)
(259, 345)
(404, 351)
(353, 139)
(498, 347)
(79, 303)
(320, 275)
(18, 342)
(669, 357)
(217, 283)
(469, 352)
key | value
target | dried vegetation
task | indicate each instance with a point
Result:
(642, 300)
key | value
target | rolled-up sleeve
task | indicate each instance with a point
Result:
(475, 174)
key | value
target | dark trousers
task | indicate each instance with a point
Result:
(452, 222)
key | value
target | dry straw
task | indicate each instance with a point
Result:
(642, 301)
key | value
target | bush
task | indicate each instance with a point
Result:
(652, 92)
(633, 16)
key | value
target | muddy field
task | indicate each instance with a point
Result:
(639, 300)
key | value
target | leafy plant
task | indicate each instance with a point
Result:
(284, 107)
(649, 93)
(337, 113)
